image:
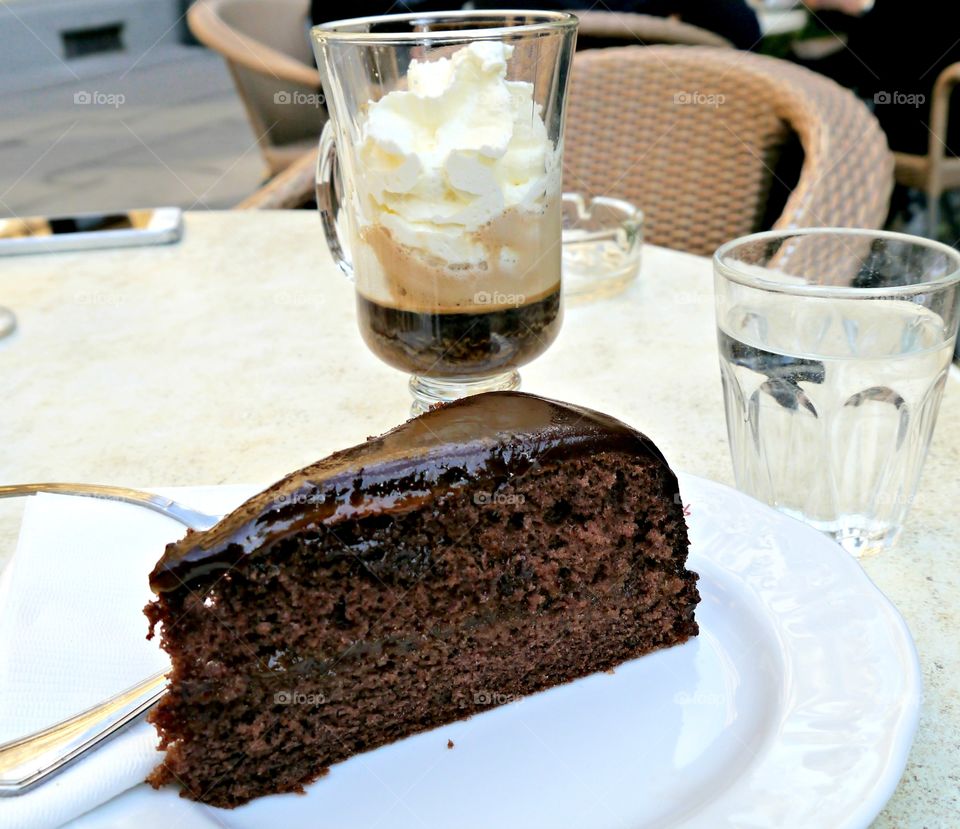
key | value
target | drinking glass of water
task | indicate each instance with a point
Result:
(834, 351)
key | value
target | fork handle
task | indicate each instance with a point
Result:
(158, 503)
(30, 760)
(26, 762)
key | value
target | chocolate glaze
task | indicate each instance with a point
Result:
(494, 435)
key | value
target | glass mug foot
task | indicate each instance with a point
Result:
(428, 391)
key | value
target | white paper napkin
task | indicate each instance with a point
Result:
(72, 633)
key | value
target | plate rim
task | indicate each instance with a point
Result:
(862, 809)
(868, 807)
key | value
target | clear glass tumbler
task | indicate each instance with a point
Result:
(439, 188)
(834, 351)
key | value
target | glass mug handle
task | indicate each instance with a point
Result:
(328, 203)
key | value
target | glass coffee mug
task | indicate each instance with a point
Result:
(439, 187)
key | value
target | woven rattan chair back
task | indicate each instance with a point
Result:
(267, 50)
(698, 137)
(603, 28)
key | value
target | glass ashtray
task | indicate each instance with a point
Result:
(602, 238)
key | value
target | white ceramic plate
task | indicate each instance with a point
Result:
(795, 707)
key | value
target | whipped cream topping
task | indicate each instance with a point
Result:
(458, 148)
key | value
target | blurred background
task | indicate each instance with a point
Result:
(113, 104)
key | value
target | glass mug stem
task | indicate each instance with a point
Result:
(429, 391)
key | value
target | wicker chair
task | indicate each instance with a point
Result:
(293, 188)
(696, 138)
(936, 171)
(265, 45)
(648, 124)
(598, 29)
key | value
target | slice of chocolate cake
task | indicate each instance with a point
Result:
(499, 545)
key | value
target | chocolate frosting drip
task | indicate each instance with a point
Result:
(494, 435)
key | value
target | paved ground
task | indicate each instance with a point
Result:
(168, 131)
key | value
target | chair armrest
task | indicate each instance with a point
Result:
(289, 189)
(642, 28)
(940, 109)
(210, 30)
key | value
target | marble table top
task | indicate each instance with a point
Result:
(233, 357)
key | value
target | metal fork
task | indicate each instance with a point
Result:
(31, 760)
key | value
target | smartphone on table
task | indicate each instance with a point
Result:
(41, 234)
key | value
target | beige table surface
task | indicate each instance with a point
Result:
(233, 357)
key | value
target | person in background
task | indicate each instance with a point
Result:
(894, 53)
(732, 19)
